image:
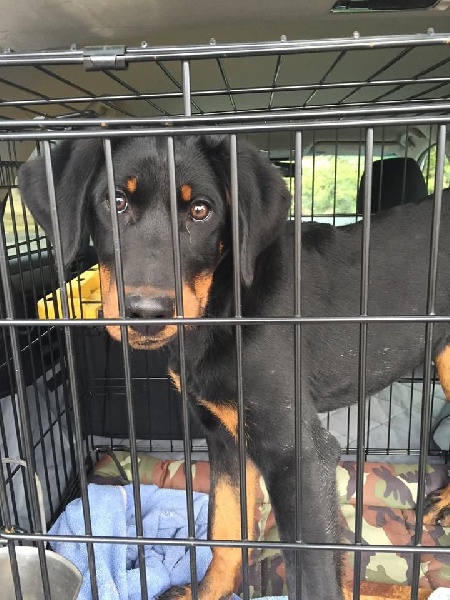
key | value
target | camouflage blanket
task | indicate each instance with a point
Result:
(389, 491)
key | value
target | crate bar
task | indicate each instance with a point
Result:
(180, 86)
(388, 441)
(360, 146)
(441, 63)
(65, 392)
(187, 89)
(428, 155)
(15, 573)
(179, 306)
(40, 426)
(274, 82)
(314, 171)
(221, 543)
(424, 72)
(71, 84)
(364, 302)
(298, 354)
(187, 437)
(158, 53)
(11, 472)
(177, 84)
(36, 342)
(238, 118)
(72, 372)
(321, 83)
(228, 92)
(382, 69)
(223, 129)
(182, 355)
(169, 75)
(325, 110)
(429, 328)
(136, 92)
(25, 434)
(335, 186)
(411, 399)
(234, 200)
(428, 91)
(206, 321)
(6, 518)
(28, 90)
(31, 111)
(403, 196)
(126, 355)
(291, 175)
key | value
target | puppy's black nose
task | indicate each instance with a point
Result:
(149, 307)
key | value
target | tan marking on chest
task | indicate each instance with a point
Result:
(176, 380)
(202, 286)
(227, 415)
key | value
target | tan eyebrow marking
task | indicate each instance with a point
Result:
(131, 184)
(186, 192)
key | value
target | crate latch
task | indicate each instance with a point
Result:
(96, 58)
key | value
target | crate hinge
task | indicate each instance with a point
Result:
(96, 58)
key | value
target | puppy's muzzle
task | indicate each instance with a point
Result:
(149, 307)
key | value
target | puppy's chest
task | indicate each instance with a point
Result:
(213, 386)
(211, 397)
(210, 374)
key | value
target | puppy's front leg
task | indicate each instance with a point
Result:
(318, 572)
(224, 522)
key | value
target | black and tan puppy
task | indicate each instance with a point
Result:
(331, 265)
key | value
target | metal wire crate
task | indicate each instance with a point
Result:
(337, 104)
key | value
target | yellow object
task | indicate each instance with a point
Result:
(83, 294)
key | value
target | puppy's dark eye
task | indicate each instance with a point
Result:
(121, 201)
(199, 210)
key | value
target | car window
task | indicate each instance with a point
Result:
(21, 231)
(427, 163)
(330, 186)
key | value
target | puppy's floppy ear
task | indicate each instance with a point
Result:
(264, 200)
(74, 164)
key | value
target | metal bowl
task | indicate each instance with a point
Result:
(64, 578)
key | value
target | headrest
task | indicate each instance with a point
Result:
(394, 181)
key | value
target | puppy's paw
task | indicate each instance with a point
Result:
(184, 593)
(437, 507)
(177, 592)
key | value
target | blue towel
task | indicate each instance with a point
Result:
(164, 515)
